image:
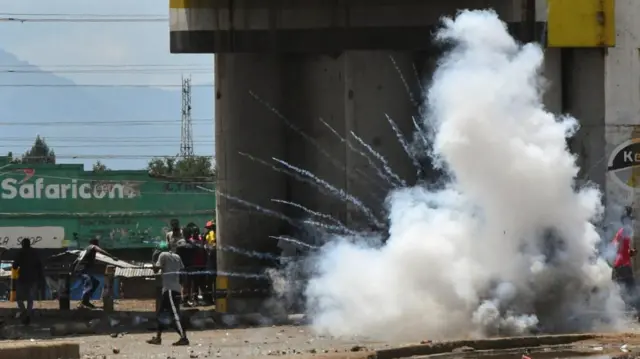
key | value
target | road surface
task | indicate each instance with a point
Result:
(281, 341)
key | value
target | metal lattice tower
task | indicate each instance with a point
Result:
(186, 134)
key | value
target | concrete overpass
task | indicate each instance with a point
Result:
(332, 59)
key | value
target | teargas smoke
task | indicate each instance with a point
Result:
(508, 246)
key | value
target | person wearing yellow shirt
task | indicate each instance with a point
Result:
(212, 260)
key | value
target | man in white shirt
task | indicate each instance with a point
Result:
(171, 267)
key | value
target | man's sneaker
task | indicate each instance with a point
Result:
(88, 305)
(181, 342)
(154, 341)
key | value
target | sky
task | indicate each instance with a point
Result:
(60, 46)
(98, 43)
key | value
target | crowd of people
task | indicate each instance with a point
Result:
(197, 250)
(186, 262)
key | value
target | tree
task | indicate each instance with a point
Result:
(12, 159)
(195, 167)
(99, 167)
(39, 153)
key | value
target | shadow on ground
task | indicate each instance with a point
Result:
(52, 323)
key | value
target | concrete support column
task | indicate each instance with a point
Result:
(351, 92)
(583, 97)
(552, 72)
(314, 93)
(245, 125)
(373, 89)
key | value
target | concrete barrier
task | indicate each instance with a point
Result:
(497, 344)
(47, 350)
(485, 344)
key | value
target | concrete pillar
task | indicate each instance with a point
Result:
(314, 91)
(552, 72)
(351, 92)
(373, 89)
(583, 97)
(245, 125)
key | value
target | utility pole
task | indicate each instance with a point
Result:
(528, 21)
(186, 133)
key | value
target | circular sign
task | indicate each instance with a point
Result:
(624, 164)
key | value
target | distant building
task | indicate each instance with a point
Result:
(62, 206)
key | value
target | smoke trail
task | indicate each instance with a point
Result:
(311, 140)
(405, 145)
(361, 153)
(336, 191)
(337, 224)
(292, 174)
(508, 246)
(407, 88)
(380, 158)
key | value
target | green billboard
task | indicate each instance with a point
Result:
(63, 206)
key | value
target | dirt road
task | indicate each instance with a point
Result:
(237, 343)
(280, 342)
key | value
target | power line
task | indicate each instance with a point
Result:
(97, 138)
(99, 123)
(85, 20)
(90, 144)
(99, 85)
(79, 14)
(104, 65)
(94, 156)
(102, 145)
(114, 71)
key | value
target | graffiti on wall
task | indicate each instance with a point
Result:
(129, 232)
(120, 232)
(40, 237)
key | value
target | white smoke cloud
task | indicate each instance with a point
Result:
(508, 246)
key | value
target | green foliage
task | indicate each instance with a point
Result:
(99, 167)
(39, 153)
(12, 159)
(194, 167)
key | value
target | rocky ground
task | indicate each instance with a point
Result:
(120, 341)
(284, 341)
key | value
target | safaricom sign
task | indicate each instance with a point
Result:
(12, 188)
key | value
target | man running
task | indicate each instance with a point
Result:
(30, 278)
(622, 268)
(84, 267)
(170, 265)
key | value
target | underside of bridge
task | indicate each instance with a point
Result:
(288, 67)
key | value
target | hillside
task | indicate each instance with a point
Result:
(91, 104)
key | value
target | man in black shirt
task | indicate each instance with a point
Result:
(30, 276)
(84, 266)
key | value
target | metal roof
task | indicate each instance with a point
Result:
(134, 272)
(100, 258)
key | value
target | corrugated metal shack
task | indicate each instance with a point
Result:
(136, 283)
(58, 265)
